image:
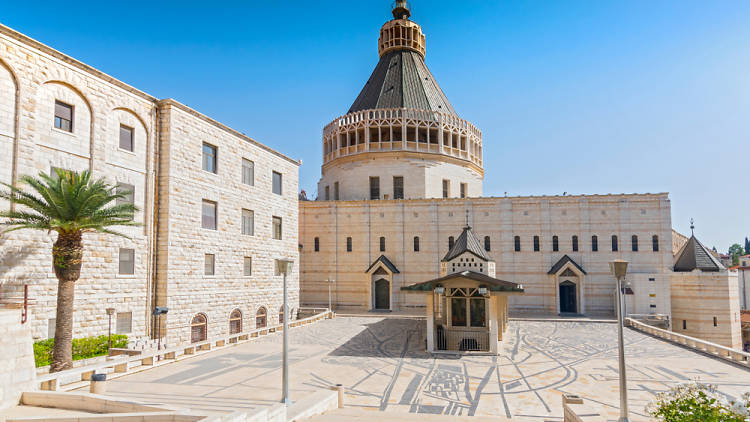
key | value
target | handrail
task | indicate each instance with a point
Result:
(723, 352)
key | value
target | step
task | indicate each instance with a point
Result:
(362, 415)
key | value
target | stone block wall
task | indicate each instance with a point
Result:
(16, 358)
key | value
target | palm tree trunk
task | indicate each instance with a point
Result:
(67, 254)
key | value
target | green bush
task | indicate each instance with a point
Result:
(83, 348)
(696, 402)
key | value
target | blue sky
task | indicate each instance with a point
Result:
(576, 96)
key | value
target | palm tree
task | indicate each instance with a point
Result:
(70, 204)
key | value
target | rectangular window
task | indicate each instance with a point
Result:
(328, 193)
(555, 244)
(124, 323)
(655, 245)
(51, 327)
(517, 243)
(536, 243)
(208, 215)
(276, 182)
(374, 188)
(248, 172)
(594, 244)
(209, 262)
(209, 158)
(458, 312)
(335, 191)
(127, 141)
(398, 187)
(348, 244)
(128, 190)
(446, 188)
(463, 189)
(575, 243)
(248, 222)
(247, 268)
(277, 228)
(63, 116)
(716, 322)
(684, 324)
(382, 244)
(477, 312)
(127, 261)
(317, 244)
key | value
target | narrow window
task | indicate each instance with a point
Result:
(276, 182)
(124, 323)
(463, 189)
(235, 322)
(477, 312)
(594, 243)
(63, 116)
(277, 228)
(517, 243)
(317, 244)
(614, 243)
(348, 244)
(328, 193)
(716, 322)
(458, 312)
(260, 318)
(248, 222)
(555, 244)
(247, 266)
(209, 157)
(248, 172)
(655, 243)
(374, 188)
(684, 324)
(487, 245)
(208, 215)
(446, 188)
(536, 243)
(575, 243)
(209, 264)
(127, 261)
(126, 138)
(634, 241)
(450, 243)
(382, 244)
(398, 187)
(416, 243)
(128, 192)
(336, 191)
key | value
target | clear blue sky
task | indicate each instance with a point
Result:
(576, 96)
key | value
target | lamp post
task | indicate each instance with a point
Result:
(158, 312)
(284, 267)
(619, 268)
(110, 312)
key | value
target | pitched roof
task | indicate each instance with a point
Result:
(493, 284)
(385, 261)
(694, 255)
(561, 262)
(401, 79)
(467, 242)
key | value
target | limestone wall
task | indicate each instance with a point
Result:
(435, 220)
(16, 358)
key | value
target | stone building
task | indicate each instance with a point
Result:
(402, 174)
(216, 207)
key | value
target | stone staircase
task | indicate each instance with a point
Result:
(350, 414)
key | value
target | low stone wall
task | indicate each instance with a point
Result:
(574, 410)
(17, 370)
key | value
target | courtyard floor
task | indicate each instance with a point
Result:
(383, 365)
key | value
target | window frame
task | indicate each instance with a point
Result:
(209, 258)
(555, 243)
(119, 317)
(316, 244)
(214, 155)
(246, 267)
(398, 188)
(245, 175)
(615, 243)
(537, 245)
(594, 243)
(381, 242)
(416, 243)
(634, 243)
(374, 188)
(245, 230)
(574, 243)
(487, 244)
(446, 188)
(132, 138)
(463, 190)
(278, 229)
(70, 121)
(120, 261)
(349, 244)
(517, 243)
(655, 243)
(280, 185)
(215, 205)
(335, 191)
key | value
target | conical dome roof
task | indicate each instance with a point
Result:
(695, 256)
(467, 242)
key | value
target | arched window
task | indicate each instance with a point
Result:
(235, 322)
(260, 318)
(575, 243)
(198, 328)
(416, 243)
(281, 314)
(450, 243)
(536, 243)
(634, 240)
(655, 243)
(594, 243)
(317, 244)
(348, 244)
(614, 243)
(555, 244)
(382, 244)
(517, 243)
(487, 246)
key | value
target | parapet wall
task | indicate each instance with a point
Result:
(16, 358)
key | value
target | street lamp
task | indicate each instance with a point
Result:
(283, 267)
(619, 268)
(158, 312)
(110, 312)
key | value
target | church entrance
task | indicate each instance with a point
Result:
(382, 295)
(568, 297)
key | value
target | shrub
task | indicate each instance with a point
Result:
(696, 402)
(83, 348)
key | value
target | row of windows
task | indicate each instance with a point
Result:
(127, 264)
(64, 121)
(517, 243)
(398, 189)
(210, 164)
(199, 322)
(463, 189)
(209, 220)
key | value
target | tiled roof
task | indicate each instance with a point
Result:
(467, 242)
(561, 262)
(493, 284)
(694, 255)
(387, 262)
(401, 79)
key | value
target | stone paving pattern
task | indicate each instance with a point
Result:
(383, 364)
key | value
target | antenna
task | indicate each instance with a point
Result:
(692, 227)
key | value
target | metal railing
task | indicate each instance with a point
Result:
(16, 296)
(463, 340)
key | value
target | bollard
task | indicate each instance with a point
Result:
(340, 389)
(98, 384)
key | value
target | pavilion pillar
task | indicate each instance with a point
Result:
(430, 322)
(494, 323)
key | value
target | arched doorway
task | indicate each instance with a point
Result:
(260, 318)
(382, 289)
(198, 328)
(235, 322)
(568, 296)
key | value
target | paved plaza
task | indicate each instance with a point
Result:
(384, 366)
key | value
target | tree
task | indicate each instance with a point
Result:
(735, 251)
(747, 245)
(70, 204)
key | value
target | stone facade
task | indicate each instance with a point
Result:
(169, 246)
(16, 358)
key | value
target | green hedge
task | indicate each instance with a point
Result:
(83, 348)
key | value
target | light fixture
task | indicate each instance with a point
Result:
(439, 290)
(482, 291)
